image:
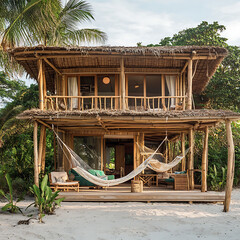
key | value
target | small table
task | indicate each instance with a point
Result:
(148, 179)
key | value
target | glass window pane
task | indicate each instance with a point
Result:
(89, 149)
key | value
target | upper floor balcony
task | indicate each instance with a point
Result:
(119, 78)
(102, 92)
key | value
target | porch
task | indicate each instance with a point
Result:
(122, 193)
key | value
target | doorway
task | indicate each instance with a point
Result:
(118, 156)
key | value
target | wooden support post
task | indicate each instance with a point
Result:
(134, 152)
(191, 159)
(183, 151)
(40, 83)
(204, 161)
(123, 87)
(230, 169)
(96, 91)
(43, 154)
(145, 92)
(40, 148)
(141, 144)
(189, 94)
(163, 92)
(184, 90)
(116, 91)
(44, 88)
(102, 150)
(35, 144)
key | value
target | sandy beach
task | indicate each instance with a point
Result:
(103, 221)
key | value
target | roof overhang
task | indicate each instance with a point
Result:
(106, 60)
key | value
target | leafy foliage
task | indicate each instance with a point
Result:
(45, 199)
(10, 206)
(221, 93)
(45, 22)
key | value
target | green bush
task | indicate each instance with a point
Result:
(45, 199)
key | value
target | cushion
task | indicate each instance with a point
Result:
(59, 177)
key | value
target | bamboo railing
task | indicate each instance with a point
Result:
(160, 103)
(63, 103)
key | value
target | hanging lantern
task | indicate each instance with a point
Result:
(106, 80)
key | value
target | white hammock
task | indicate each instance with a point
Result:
(80, 167)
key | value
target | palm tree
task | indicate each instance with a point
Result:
(65, 30)
(46, 22)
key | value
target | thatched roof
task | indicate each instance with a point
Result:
(153, 124)
(199, 114)
(100, 60)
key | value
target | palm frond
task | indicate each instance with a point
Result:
(78, 37)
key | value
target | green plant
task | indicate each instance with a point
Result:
(217, 180)
(45, 199)
(10, 206)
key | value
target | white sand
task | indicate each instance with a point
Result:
(87, 221)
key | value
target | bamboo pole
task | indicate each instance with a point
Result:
(123, 87)
(35, 144)
(40, 83)
(191, 159)
(43, 154)
(163, 92)
(230, 170)
(96, 91)
(40, 148)
(144, 91)
(183, 151)
(184, 90)
(189, 99)
(204, 161)
(102, 150)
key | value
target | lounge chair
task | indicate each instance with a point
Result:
(60, 181)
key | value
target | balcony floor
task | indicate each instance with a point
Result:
(123, 193)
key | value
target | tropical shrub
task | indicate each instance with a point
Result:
(45, 199)
(10, 206)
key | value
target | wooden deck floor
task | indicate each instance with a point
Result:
(150, 194)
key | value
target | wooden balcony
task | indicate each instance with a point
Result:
(85, 103)
(160, 103)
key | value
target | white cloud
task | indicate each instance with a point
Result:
(148, 21)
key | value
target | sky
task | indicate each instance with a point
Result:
(128, 22)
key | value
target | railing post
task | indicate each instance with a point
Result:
(122, 80)
(189, 100)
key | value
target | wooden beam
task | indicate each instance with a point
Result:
(35, 144)
(184, 68)
(122, 80)
(183, 151)
(189, 93)
(191, 159)
(230, 169)
(52, 66)
(204, 161)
